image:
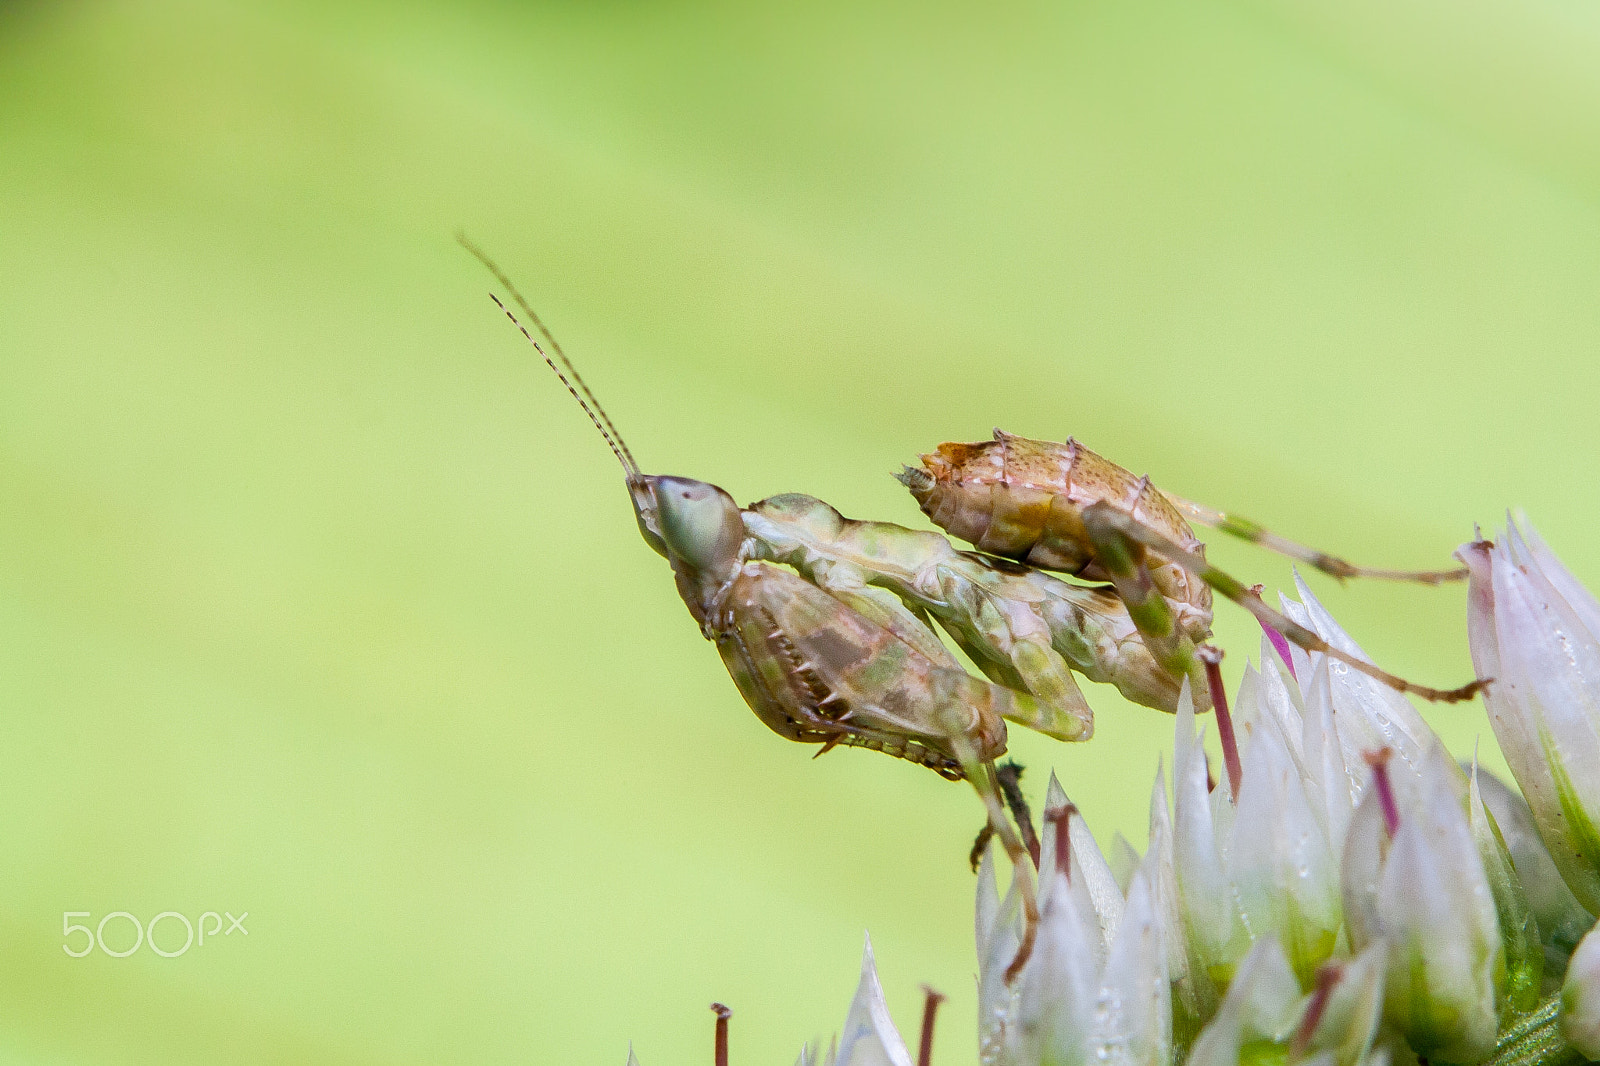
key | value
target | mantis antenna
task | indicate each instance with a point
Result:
(586, 398)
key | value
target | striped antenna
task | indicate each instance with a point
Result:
(588, 401)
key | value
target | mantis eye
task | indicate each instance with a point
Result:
(647, 513)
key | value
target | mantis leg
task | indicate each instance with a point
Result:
(993, 629)
(1123, 558)
(1118, 534)
(985, 780)
(989, 630)
(1009, 777)
(1064, 713)
(910, 624)
(1243, 528)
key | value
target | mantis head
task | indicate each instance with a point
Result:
(692, 523)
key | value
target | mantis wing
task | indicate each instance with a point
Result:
(812, 667)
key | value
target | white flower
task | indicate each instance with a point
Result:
(1261, 1007)
(1536, 631)
(1346, 714)
(1259, 865)
(1519, 930)
(1265, 1018)
(1096, 989)
(1412, 877)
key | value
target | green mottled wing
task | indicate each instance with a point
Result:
(808, 663)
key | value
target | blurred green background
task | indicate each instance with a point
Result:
(320, 600)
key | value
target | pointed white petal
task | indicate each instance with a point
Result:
(869, 1037)
(1524, 954)
(1326, 756)
(1194, 992)
(1437, 913)
(1354, 1009)
(1124, 860)
(987, 909)
(1365, 845)
(1544, 704)
(1581, 601)
(1387, 715)
(1279, 861)
(1054, 795)
(1132, 1021)
(1277, 701)
(1056, 1000)
(1562, 919)
(1204, 894)
(1260, 1005)
(996, 950)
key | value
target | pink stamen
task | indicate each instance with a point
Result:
(1328, 975)
(720, 1055)
(1061, 818)
(1379, 761)
(1212, 658)
(1279, 642)
(930, 1007)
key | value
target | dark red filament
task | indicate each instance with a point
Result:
(720, 1055)
(930, 1007)
(1379, 761)
(1328, 975)
(1061, 819)
(1212, 658)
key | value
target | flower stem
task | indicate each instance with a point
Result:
(1535, 1040)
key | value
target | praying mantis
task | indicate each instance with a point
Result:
(823, 622)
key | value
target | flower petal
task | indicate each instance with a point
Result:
(1260, 1007)
(1132, 1020)
(1059, 986)
(1436, 911)
(1518, 930)
(1580, 998)
(869, 1037)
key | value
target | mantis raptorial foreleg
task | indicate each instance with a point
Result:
(1245, 529)
(1003, 621)
(1024, 662)
(1117, 534)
